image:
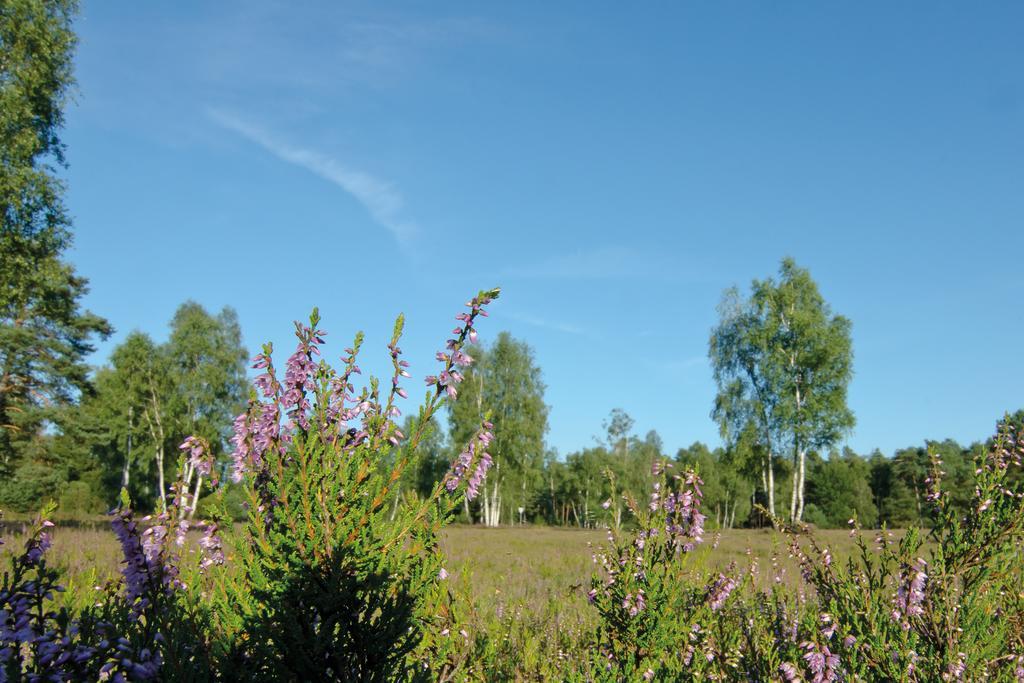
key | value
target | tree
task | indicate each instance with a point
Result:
(108, 443)
(840, 490)
(206, 360)
(746, 402)
(617, 427)
(783, 361)
(505, 382)
(586, 485)
(44, 336)
(149, 398)
(727, 489)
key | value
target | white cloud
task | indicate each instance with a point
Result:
(380, 198)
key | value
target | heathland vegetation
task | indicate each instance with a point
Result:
(301, 526)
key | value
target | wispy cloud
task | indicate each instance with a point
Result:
(380, 198)
(611, 262)
(322, 54)
(556, 325)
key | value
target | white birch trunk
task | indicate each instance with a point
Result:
(800, 502)
(126, 474)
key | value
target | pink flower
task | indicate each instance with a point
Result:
(909, 598)
(720, 591)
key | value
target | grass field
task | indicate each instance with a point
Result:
(538, 571)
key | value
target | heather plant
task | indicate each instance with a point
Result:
(329, 579)
(660, 616)
(954, 612)
(42, 640)
(333, 577)
(940, 606)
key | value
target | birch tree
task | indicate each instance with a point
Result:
(783, 361)
(505, 381)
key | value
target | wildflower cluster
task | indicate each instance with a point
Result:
(453, 357)
(657, 613)
(909, 596)
(947, 617)
(338, 575)
(906, 608)
(475, 461)
(39, 642)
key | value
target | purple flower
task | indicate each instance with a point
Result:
(199, 454)
(213, 553)
(474, 454)
(153, 538)
(909, 598)
(684, 521)
(828, 626)
(143, 571)
(257, 431)
(789, 672)
(955, 671)
(634, 604)
(720, 591)
(821, 663)
(299, 375)
(37, 545)
(445, 381)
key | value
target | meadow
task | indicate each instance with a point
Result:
(337, 574)
(536, 572)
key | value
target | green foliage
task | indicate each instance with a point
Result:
(727, 488)
(44, 336)
(30, 485)
(80, 500)
(954, 616)
(433, 456)
(340, 574)
(839, 490)
(206, 362)
(782, 362)
(505, 381)
(37, 45)
(656, 611)
(149, 398)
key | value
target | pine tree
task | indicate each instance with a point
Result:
(44, 335)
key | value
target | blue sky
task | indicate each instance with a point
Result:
(612, 170)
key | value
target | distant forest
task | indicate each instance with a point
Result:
(124, 427)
